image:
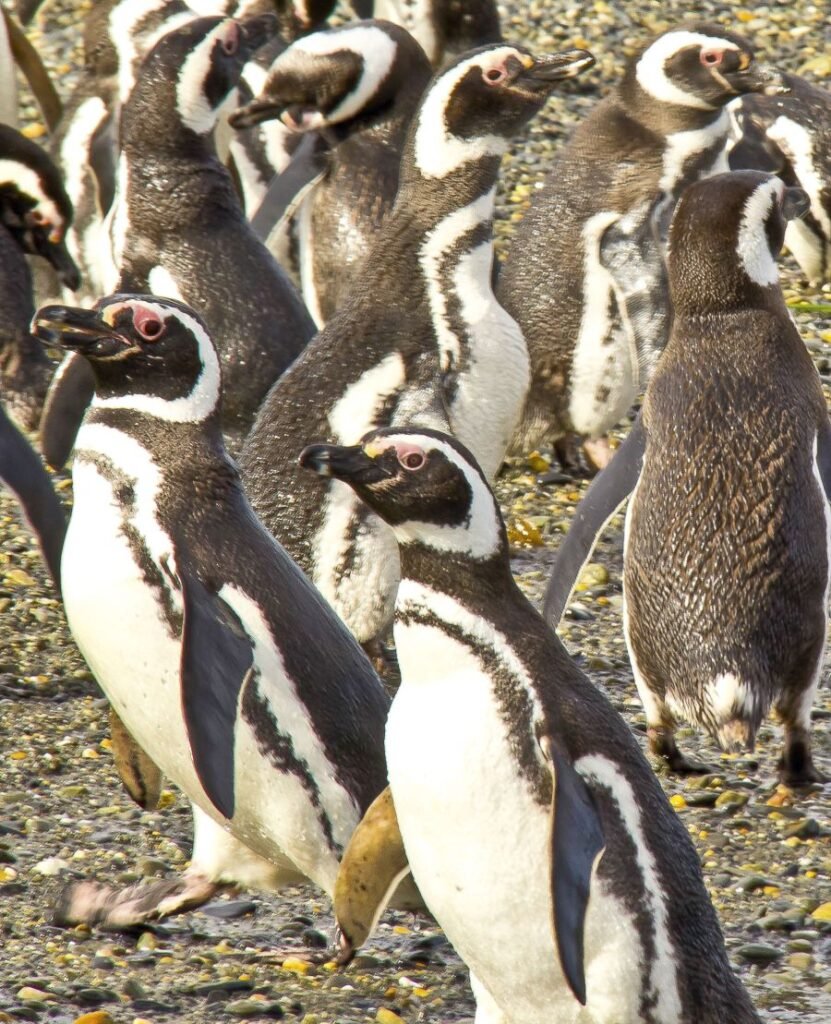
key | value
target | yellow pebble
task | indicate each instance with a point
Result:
(401, 929)
(677, 801)
(96, 1017)
(18, 755)
(822, 913)
(385, 1016)
(296, 966)
(33, 131)
(770, 890)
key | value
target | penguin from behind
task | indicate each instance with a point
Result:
(359, 85)
(585, 276)
(244, 688)
(584, 899)
(790, 135)
(726, 553)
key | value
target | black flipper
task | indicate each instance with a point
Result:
(217, 658)
(30, 63)
(824, 456)
(308, 164)
(70, 392)
(22, 471)
(601, 501)
(576, 842)
(103, 159)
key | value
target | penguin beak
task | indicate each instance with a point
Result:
(76, 330)
(551, 68)
(757, 78)
(257, 31)
(348, 463)
(795, 203)
(255, 112)
(58, 255)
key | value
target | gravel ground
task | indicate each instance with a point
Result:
(63, 814)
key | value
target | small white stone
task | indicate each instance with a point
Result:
(50, 866)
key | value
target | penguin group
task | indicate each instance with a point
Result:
(293, 368)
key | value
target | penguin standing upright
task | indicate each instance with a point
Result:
(585, 276)
(791, 135)
(726, 554)
(533, 826)
(361, 84)
(35, 213)
(421, 338)
(221, 659)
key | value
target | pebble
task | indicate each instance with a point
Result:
(757, 953)
(96, 1017)
(254, 1008)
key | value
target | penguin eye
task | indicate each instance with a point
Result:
(494, 75)
(149, 326)
(712, 58)
(230, 43)
(412, 459)
(38, 217)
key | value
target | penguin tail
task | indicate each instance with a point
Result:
(104, 906)
(736, 735)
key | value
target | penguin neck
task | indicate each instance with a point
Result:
(458, 574)
(723, 295)
(384, 124)
(663, 118)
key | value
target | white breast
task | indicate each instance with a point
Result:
(479, 844)
(118, 623)
(604, 370)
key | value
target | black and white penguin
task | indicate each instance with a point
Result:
(443, 28)
(422, 340)
(35, 213)
(226, 666)
(360, 84)
(585, 276)
(726, 553)
(791, 136)
(178, 228)
(583, 899)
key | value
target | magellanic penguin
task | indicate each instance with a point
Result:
(791, 136)
(443, 28)
(583, 899)
(35, 213)
(226, 666)
(177, 226)
(361, 84)
(421, 339)
(726, 552)
(585, 276)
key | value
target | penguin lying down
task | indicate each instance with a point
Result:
(534, 827)
(727, 555)
(222, 661)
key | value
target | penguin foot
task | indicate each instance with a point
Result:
(598, 452)
(797, 769)
(662, 744)
(92, 904)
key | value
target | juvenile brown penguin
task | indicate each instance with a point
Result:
(726, 556)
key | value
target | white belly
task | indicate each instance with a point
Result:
(479, 845)
(119, 627)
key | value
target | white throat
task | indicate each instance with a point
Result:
(437, 151)
(752, 245)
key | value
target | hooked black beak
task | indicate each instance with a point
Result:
(58, 255)
(76, 330)
(255, 112)
(349, 463)
(758, 78)
(257, 31)
(795, 203)
(551, 68)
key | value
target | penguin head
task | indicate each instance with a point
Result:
(423, 483)
(476, 104)
(135, 26)
(725, 236)
(332, 77)
(148, 354)
(699, 68)
(188, 75)
(34, 205)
